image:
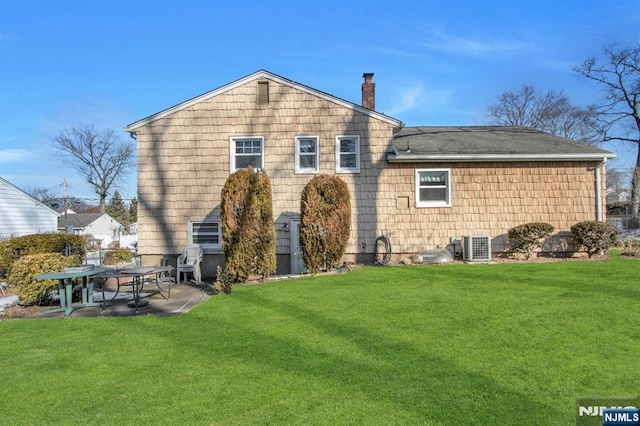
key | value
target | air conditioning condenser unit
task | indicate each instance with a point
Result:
(476, 248)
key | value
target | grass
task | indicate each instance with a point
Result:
(454, 344)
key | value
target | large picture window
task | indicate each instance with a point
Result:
(205, 232)
(348, 154)
(247, 151)
(433, 188)
(307, 154)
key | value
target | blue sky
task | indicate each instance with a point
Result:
(109, 63)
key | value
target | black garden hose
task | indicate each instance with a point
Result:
(383, 250)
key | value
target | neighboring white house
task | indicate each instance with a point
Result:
(99, 225)
(21, 214)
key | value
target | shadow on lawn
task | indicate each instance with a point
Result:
(423, 386)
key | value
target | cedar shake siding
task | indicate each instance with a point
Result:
(486, 199)
(185, 155)
(184, 161)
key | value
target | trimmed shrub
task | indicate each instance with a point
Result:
(248, 230)
(325, 222)
(30, 291)
(114, 257)
(527, 238)
(14, 248)
(224, 280)
(594, 236)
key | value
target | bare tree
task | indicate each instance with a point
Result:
(550, 112)
(618, 74)
(44, 195)
(102, 158)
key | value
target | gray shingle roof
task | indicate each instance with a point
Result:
(79, 220)
(487, 143)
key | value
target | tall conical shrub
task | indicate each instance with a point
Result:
(325, 222)
(248, 231)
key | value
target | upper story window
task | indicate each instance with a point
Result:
(433, 188)
(205, 232)
(307, 154)
(348, 154)
(247, 151)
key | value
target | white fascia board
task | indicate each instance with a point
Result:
(414, 158)
(257, 75)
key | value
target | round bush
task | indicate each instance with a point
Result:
(114, 257)
(594, 236)
(527, 238)
(30, 291)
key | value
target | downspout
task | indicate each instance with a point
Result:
(599, 191)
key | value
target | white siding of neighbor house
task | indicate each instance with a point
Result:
(21, 214)
(104, 228)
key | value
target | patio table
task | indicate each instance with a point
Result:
(137, 278)
(65, 287)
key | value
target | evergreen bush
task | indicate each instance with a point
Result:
(116, 256)
(14, 248)
(594, 236)
(30, 291)
(248, 230)
(525, 239)
(325, 222)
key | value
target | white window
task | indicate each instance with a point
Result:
(348, 154)
(307, 154)
(433, 188)
(205, 232)
(247, 151)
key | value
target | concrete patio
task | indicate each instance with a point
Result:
(183, 297)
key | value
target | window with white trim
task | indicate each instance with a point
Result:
(307, 154)
(433, 188)
(348, 154)
(247, 151)
(205, 232)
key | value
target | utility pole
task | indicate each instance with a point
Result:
(64, 201)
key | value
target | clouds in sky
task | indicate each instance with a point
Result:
(478, 45)
(11, 155)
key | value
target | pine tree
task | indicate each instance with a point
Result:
(133, 210)
(117, 210)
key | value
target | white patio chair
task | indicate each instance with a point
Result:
(189, 262)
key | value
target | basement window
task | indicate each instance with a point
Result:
(205, 232)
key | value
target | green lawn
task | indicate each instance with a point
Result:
(453, 344)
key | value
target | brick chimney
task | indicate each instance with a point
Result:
(368, 91)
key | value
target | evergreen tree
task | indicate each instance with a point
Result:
(133, 210)
(325, 213)
(117, 210)
(248, 231)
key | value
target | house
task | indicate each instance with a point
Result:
(101, 226)
(421, 187)
(21, 214)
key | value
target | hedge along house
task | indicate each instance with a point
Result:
(419, 186)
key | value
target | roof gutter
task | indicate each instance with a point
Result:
(395, 157)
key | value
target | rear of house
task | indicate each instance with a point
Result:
(411, 185)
